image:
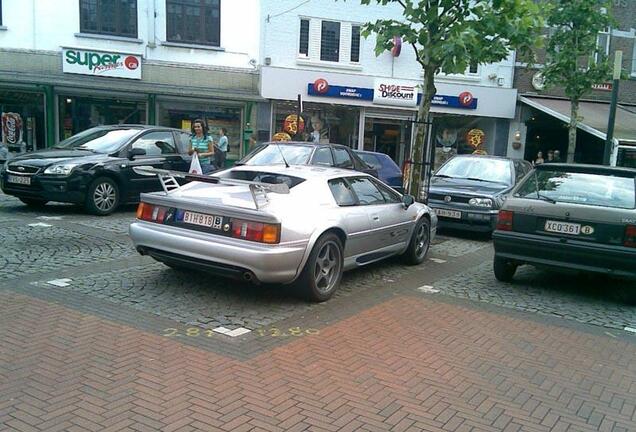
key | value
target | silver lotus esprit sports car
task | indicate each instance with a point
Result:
(280, 224)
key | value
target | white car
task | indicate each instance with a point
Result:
(280, 224)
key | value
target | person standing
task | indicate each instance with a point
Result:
(539, 160)
(202, 144)
(557, 156)
(221, 149)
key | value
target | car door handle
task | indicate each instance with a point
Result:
(376, 217)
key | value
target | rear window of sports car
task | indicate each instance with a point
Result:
(580, 188)
(262, 176)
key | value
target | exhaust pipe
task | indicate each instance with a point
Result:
(248, 276)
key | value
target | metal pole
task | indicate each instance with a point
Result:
(609, 140)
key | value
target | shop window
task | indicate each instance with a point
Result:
(194, 21)
(330, 41)
(22, 122)
(473, 68)
(80, 113)
(304, 38)
(181, 114)
(322, 123)
(156, 143)
(355, 44)
(109, 17)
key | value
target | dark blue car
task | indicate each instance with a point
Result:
(388, 171)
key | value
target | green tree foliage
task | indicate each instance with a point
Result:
(574, 61)
(449, 35)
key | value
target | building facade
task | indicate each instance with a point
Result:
(351, 96)
(68, 65)
(543, 114)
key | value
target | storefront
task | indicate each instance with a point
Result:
(92, 88)
(378, 114)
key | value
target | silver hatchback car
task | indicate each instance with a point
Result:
(281, 224)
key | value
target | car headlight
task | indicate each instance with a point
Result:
(60, 169)
(480, 202)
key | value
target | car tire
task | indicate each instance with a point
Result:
(33, 202)
(103, 196)
(321, 275)
(504, 269)
(419, 244)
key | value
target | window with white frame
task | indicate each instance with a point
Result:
(634, 58)
(329, 41)
(602, 45)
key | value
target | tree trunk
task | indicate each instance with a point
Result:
(420, 152)
(574, 113)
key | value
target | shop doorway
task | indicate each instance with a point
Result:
(388, 136)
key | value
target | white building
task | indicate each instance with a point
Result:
(66, 65)
(314, 49)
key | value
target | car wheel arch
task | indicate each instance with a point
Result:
(342, 236)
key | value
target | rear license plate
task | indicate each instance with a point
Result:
(201, 219)
(18, 179)
(449, 213)
(562, 227)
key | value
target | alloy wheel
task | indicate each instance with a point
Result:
(104, 196)
(421, 241)
(327, 267)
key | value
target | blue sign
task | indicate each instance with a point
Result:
(342, 92)
(463, 101)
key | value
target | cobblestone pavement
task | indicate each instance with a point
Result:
(76, 239)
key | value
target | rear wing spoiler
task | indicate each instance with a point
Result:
(168, 179)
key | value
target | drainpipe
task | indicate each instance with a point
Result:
(152, 25)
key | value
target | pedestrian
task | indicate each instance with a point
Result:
(202, 145)
(550, 156)
(539, 159)
(557, 156)
(221, 149)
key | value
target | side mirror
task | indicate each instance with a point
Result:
(407, 201)
(136, 152)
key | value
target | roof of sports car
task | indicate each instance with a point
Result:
(302, 171)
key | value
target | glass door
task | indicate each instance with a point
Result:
(389, 136)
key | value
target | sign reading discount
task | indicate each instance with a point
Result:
(390, 92)
(100, 63)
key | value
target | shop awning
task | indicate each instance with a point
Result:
(594, 116)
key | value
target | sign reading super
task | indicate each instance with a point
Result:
(100, 63)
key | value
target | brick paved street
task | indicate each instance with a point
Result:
(128, 344)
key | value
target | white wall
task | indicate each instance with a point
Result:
(54, 23)
(280, 21)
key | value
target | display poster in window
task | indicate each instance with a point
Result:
(186, 126)
(12, 130)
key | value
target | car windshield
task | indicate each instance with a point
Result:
(98, 140)
(579, 188)
(477, 168)
(272, 154)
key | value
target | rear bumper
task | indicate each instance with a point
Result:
(575, 255)
(224, 256)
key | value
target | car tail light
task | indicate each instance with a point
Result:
(151, 213)
(630, 236)
(256, 231)
(504, 220)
